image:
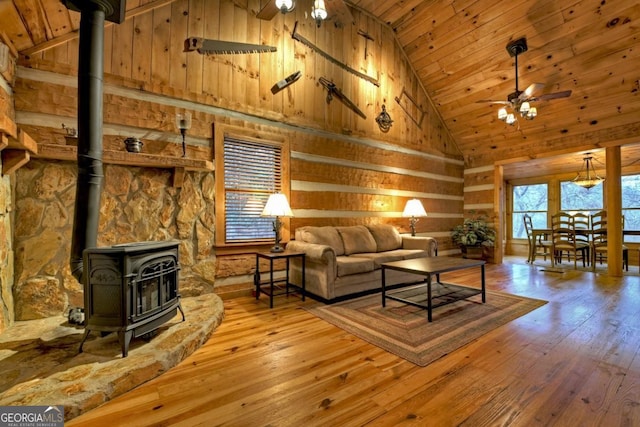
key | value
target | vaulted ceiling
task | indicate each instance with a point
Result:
(458, 50)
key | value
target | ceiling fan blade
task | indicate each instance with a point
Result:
(268, 11)
(528, 92)
(548, 96)
(339, 12)
(490, 101)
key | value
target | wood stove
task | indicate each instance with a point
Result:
(130, 289)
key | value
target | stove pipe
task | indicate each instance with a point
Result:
(90, 174)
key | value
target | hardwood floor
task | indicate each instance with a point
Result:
(573, 362)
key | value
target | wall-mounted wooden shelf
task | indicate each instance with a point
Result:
(16, 146)
(178, 164)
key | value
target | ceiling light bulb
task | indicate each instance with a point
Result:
(502, 114)
(319, 12)
(511, 119)
(532, 113)
(284, 5)
(524, 108)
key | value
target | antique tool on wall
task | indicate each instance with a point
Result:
(384, 120)
(332, 90)
(367, 38)
(287, 81)
(306, 42)
(409, 105)
(220, 47)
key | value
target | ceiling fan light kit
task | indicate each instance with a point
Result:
(519, 102)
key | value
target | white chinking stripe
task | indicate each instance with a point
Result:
(473, 188)
(319, 186)
(479, 169)
(370, 166)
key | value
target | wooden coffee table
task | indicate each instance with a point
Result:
(447, 292)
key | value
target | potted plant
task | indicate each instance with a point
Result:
(472, 236)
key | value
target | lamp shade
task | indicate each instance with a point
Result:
(414, 208)
(277, 205)
(285, 5)
(319, 11)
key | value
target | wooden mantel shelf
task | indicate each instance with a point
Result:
(178, 164)
(16, 146)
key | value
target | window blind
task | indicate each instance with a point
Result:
(252, 172)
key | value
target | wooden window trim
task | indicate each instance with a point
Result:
(252, 135)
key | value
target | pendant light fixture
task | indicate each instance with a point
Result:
(285, 6)
(587, 177)
(319, 12)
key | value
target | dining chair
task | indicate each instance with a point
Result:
(582, 227)
(599, 241)
(563, 239)
(537, 246)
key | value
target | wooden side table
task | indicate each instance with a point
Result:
(273, 287)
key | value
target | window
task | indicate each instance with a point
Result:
(247, 172)
(631, 205)
(574, 198)
(532, 200)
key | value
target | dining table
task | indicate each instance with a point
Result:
(542, 233)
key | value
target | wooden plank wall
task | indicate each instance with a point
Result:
(344, 169)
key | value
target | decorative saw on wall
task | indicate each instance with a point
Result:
(519, 102)
(335, 11)
(221, 47)
(341, 64)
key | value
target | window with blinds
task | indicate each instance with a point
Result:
(252, 171)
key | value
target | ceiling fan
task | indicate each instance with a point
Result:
(520, 101)
(336, 10)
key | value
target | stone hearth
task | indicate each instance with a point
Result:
(40, 363)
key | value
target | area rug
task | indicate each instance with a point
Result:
(403, 329)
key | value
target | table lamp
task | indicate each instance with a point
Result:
(277, 206)
(414, 209)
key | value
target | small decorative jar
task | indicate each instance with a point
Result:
(133, 145)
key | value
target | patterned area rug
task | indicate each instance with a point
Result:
(403, 329)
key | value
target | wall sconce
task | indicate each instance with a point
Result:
(277, 206)
(285, 6)
(183, 123)
(414, 209)
(319, 12)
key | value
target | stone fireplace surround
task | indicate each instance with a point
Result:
(137, 205)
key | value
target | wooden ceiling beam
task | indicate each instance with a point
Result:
(57, 41)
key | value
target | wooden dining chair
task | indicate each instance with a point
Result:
(599, 244)
(563, 239)
(537, 245)
(582, 228)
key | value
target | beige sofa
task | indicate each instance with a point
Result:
(343, 262)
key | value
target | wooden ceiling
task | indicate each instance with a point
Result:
(458, 50)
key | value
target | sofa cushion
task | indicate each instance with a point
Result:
(382, 257)
(386, 236)
(321, 236)
(413, 253)
(348, 265)
(357, 239)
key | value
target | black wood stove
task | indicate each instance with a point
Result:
(130, 289)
